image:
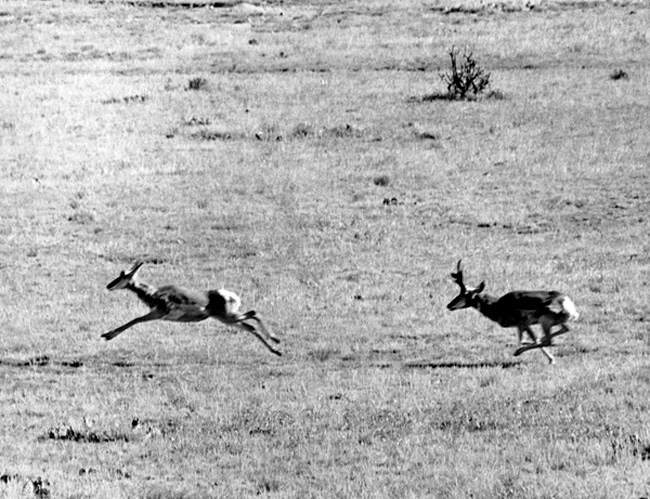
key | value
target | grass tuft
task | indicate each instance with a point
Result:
(198, 83)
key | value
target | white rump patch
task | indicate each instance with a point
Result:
(570, 307)
(233, 302)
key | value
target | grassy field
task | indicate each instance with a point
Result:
(289, 151)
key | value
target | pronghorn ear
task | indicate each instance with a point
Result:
(481, 287)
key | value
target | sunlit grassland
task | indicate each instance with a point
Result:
(312, 175)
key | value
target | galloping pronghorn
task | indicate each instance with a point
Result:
(520, 309)
(171, 303)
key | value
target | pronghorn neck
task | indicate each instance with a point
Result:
(144, 292)
(486, 304)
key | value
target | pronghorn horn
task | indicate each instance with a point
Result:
(458, 276)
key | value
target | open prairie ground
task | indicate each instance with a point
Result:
(293, 152)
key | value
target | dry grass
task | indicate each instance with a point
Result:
(270, 178)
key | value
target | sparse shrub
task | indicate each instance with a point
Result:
(465, 78)
(198, 83)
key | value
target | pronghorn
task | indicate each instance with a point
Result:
(171, 303)
(520, 309)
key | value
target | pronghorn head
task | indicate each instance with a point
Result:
(467, 296)
(125, 278)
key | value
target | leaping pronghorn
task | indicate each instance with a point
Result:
(171, 303)
(520, 309)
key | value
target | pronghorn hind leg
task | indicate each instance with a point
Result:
(563, 330)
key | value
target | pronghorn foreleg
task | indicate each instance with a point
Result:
(252, 315)
(253, 330)
(546, 342)
(520, 332)
(151, 316)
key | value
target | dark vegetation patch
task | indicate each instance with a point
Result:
(302, 131)
(524, 228)
(128, 259)
(41, 361)
(423, 364)
(152, 4)
(214, 135)
(508, 7)
(81, 217)
(428, 136)
(72, 363)
(619, 74)
(128, 99)
(381, 180)
(267, 485)
(67, 432)
(274, 133)
(446, 96)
